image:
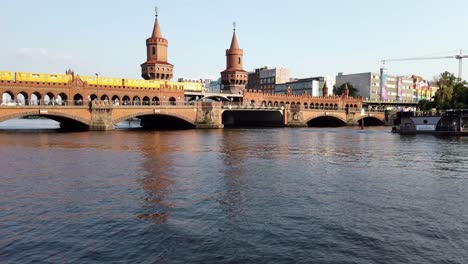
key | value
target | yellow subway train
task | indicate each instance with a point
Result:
(101, 81)
(41, 77)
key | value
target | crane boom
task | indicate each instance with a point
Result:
(459, 57)
(419, 58)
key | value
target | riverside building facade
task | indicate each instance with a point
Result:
(379, 86)
(313, 86)
(266, 79)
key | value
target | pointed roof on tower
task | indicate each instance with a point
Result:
(346, 90)
(156, 28)
(325, 89)
(234, 43)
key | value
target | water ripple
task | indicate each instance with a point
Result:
(236, 196)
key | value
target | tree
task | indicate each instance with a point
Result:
(425, 105)
(352, 91)
(452, 93)
(460, 96)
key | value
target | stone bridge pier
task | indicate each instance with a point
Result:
(101, 116)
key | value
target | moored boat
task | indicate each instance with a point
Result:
(450, 123)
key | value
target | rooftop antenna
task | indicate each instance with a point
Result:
(234, 25)
(156, 11)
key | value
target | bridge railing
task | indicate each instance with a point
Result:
(172, 104)
(88, 103)
(242, 105)
(147, 104)
(247, 105)
(42, 103)
(369, 101)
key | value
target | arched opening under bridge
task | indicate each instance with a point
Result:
(371, 121)
(215, 98)
(232, 118)
(153, 121)
(326, 121)
(65, 122)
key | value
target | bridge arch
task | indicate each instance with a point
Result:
(218, 98)
(252, 118)
(78, 99)
(67, 121)
(8, 97)
(371, 121)
(115, 99)
(155, 100)
(150, 119)
(36, 98)
(22, 98)
(172, 101)
(136, 100)
(49, 98)
(126, 100)
(325, 121)
(62, 99)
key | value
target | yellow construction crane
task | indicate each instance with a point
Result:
(459, 57)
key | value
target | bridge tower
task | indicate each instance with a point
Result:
(156, 66)
(234, 77)
(346, 90)
(325, 90)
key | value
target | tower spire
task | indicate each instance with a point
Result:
(325, 89)
(156, 28)
(234, 43)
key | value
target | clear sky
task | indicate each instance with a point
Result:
(309, 37)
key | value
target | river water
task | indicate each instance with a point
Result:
(309, 195)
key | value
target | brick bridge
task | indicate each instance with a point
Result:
(102, 115)
(77, 105)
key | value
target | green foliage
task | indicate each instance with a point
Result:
(352, 91)
(425, 105)
(452, 93)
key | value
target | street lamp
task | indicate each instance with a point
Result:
(97, 85)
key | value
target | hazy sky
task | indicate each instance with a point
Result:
(311, 38)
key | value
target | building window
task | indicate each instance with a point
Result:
(239, 61)
(153, 50)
